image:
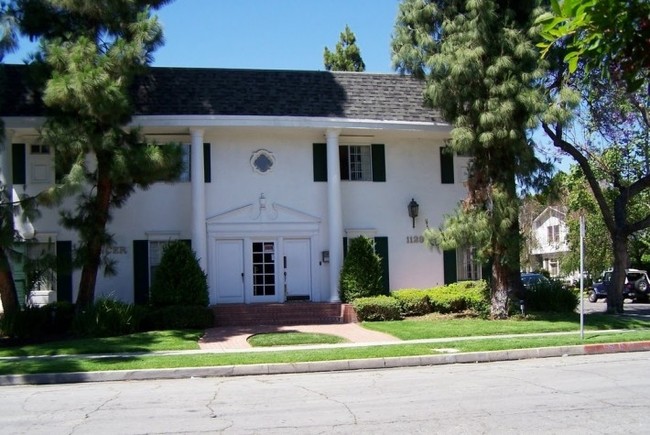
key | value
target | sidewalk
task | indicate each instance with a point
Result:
(233, 340)
(234, 337)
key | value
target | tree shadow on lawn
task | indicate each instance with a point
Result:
(141, 342)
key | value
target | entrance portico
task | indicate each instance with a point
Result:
(264, 253)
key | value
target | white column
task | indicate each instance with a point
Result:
(199, 235)
(334, 212)
(6, 176)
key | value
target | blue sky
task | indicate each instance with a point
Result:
(278, 34)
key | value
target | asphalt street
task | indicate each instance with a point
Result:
(579, 394)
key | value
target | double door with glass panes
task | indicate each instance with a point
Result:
(262, 270)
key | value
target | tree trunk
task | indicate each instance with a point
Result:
(101, 204)
(8, 292)
(615, 289)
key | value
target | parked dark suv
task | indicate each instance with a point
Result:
(636, 287)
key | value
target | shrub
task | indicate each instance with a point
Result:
(550, 297)
(413, 302)
(178, 317)
(361, 274)
(460, 296)
(38, 323)
(29, 323)
(106, 318)
(377, 308)
(179, 279)
(60, 316)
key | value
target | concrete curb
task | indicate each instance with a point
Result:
(323, 366)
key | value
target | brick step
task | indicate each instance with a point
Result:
(291, 313)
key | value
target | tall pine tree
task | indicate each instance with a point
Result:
(480, 65)
(8, 293)
(91, 52)
(347, 56)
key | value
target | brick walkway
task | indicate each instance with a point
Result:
(234, 337)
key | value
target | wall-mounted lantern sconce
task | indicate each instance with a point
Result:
(325, 256)
(414, 209)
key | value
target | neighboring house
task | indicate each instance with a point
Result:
(283, 168)
(550, 239)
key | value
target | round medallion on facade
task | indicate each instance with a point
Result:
(262, 161)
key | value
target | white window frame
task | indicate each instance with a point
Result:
(157, 242)
(359, 162)
(468, 268)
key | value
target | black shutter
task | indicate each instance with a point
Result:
(207, 167)
(486, 271)
(345, 247)
(449, 266)
(381, 248)
(64, 271)
(378, 163)
(320, 161)
(141, 272)
(446, 165)
(18, 163)
(344, 162)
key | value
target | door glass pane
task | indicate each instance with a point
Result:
(263, 268)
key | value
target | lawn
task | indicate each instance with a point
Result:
(440, 326)
(415, 328)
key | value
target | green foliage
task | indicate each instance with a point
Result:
(413, 302)
(452, 298)
(377, 308)
(550, 297)
(460, 296)
(179, 280)
(483, 73)
(361, 275)
(347, 56)
(106, 318)
(90, 54)
(594, 33)
(38, 323)
(177, 317)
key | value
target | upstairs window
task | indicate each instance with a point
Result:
(186, 175)
(356, 162)
(553, 234)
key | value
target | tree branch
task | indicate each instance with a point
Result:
(570, 149)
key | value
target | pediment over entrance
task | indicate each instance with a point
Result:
(263, 212)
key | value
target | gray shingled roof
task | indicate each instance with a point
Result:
(205, 91)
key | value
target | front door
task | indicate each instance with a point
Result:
(297, 269)
(264, 273)
(229, 270)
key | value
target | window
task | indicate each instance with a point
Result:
(356, 162)
(156, 248)
(40, 149)
(186, 175)
(469, 269)
(446, 165)
(553, 234)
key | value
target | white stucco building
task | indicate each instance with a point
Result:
(284, 167)
(550, 236)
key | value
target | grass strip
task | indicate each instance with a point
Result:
(437, 326)
(291, 338)
(72, 364)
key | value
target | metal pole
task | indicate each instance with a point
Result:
(582, 276)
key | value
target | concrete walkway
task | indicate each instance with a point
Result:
(235, 337)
